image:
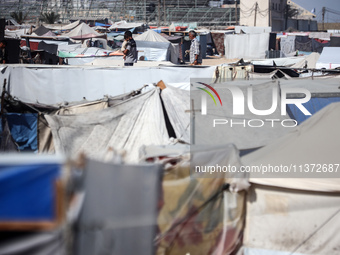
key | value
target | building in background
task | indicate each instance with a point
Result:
(278, 14)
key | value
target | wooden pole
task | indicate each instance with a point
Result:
(255, 14)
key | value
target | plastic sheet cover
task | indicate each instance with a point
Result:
(48, 85)
(119, 215)
(188, 227)
(125, 126)
(27, 191)
(246, 46)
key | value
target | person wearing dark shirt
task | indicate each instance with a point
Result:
(130, 52)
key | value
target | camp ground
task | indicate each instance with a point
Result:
(239, 155)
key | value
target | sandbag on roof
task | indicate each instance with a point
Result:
(127, 126)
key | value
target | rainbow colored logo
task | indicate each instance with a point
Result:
(209, 93)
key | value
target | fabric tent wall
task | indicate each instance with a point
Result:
(218, 39)
(27, 188)
(281, 221)
(47, 85)
(247, 46)
(121, 201)
(154, 51)
(126, 126)
(23, 128)
(328, 58)
(313, 105)
(217, 227)
(243, 136)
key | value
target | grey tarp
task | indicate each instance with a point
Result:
(119, 215)
(177, 105)
(45, 139)
(128, 125)
(242, 135)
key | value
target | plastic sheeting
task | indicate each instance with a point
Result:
(177, 104)
(314, 141)
(23, 128)
(119, 215)
(37, 243)
(218, 39)
(241, 134)
(48, 85)
(247, 46)
(217, 227)
(287, 44)
(282, 222)
(329, 58)
(126, 126)
(82, 29)
(27, 189)
(154, 51)
(313, 106)
(229, 73)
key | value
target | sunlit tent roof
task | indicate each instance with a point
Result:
(82, 29)
(329, 58)
(63, 26)
(151, 36)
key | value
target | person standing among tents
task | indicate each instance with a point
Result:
(3, 52)
(195, 49)
(131, 50)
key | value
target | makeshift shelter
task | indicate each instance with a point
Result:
(63, 26)
(155, 47)
(123, 25)
(239, 129)
(200, 215)
(82, 31)
(126, 126)
(40, 31)
(246, 46)
(126, 198)
(79, 83)
(277, 205)
(329, 58)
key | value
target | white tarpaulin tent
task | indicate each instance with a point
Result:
(329, 58)
(126, 126)
(242, 133)
(246, 46)
(47, 84)
(156, 48)
(82, 29)
(124, 25)
(296, 216)
(62, 26)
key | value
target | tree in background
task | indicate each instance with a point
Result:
(19, 17)
(50, 17)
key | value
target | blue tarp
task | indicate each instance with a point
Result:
(27, 192)
(23, 127)
(101, 24)
(313, 105)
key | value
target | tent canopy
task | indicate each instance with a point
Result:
(82, 29)
(329, 58)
